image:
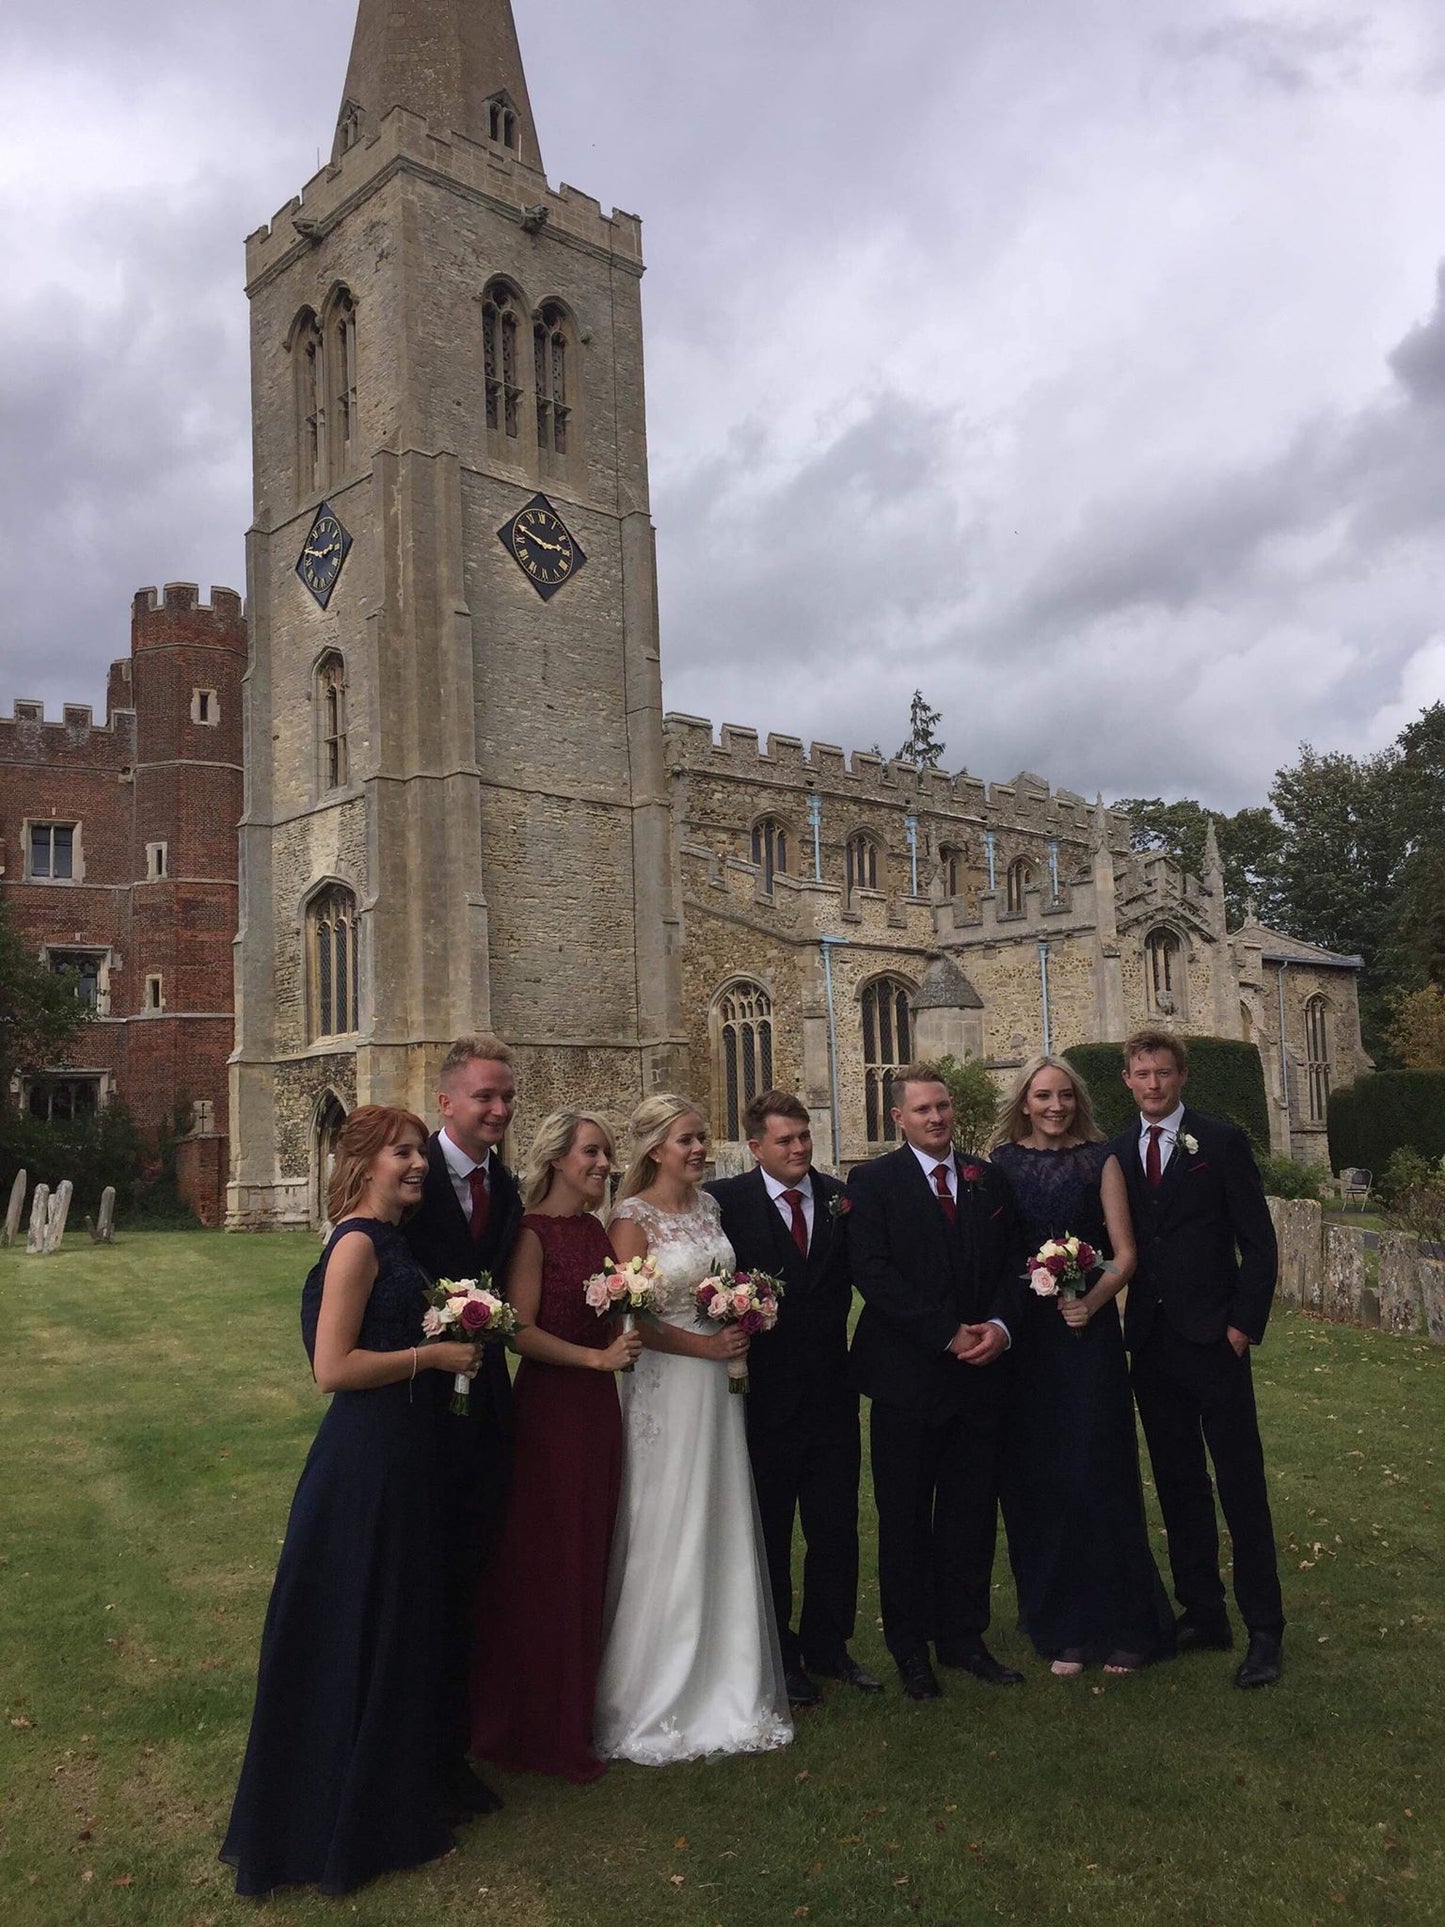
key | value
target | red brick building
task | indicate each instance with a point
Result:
(118, 859)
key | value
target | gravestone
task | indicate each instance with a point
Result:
(105, 1229)
(17, 1205)
(58, 1213)
(39, 1220)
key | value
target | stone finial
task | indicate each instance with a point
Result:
(39, 1220)
(1213, 862)
(16, 1208)
(445, 60)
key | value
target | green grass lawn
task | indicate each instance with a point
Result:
(156, 1410)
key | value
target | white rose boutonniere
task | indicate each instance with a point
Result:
(1190, 1143)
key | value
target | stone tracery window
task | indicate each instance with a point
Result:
(333, 957)
(551, 346)
(502, 121)
(743, 1053)
(1164, 972)
(501, 334)
(341, 354)
(951, 869)
(1018, 882)
(770, 851)
(1317, 1058)
(887, 1013)
(861, 858)
(331, 719)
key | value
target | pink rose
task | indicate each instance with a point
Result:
(617, 1286)
(1043, 1282)
(475, 1315)
(433, 1324)
(597, 1294)
(718, 1307)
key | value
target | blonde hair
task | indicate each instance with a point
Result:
(554, 1138)
(648, 1127)
(480, 1047)
(1012, 1121)
(359, 1142)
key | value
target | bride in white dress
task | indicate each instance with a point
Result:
(691, 1663)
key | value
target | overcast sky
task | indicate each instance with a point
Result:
(1079, 361)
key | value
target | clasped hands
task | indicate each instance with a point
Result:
(978, 1344)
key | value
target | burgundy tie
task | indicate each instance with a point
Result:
(794, 1202)
(1153, 1170)
(945, 1196)
(481, 1203)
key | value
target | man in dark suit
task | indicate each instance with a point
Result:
(467, 1224)
(785, 1218)
(937, 1254)
(1197, 1302)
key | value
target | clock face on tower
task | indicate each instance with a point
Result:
(325, 549)
(542, 546)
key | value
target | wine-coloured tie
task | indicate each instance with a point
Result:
(945, 1196)
(794, 1202)
(481, 1203)
(1153, 1170)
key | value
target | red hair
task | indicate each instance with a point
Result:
(359, 1142)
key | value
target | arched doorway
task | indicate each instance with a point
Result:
(330, 1116)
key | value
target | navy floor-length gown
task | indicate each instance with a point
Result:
(341, 1776)
(1073, 1501)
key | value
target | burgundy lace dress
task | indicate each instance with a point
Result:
(539, 1632)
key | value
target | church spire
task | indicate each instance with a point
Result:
(454, 62)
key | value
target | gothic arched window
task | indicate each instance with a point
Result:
(551, 345)
(887, 1046)
(502, 122)
(862, 862)
(501, 335)
(308, 376)
(332, 954)
(1164, 972)
(743, 1023)
(951, 869)
(341, 368)
(331, 720)
(1017, 884)
(770, 850)
(1317, 1058)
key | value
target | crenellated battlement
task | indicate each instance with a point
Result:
(28, 735)
(1025, 803)
(406, 142)
(178, 615)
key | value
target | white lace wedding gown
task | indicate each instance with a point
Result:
(691, 1663)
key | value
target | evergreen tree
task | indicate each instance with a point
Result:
(922, 745)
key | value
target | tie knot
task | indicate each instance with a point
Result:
(940, 1176)
(793, 1197)
(1156, 1131)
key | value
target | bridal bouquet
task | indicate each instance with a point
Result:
(629, 1288)
(467, 1311)
(1060, 1268)
(748, 1299)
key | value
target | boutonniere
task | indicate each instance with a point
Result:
(1190, 1143)
(970, 1174)
(839, 1205)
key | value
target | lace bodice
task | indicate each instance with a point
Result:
(1057, 1191)
(687, 1246)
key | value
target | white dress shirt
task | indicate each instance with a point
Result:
(460, 1168)
(1168, 1132)
(804, 1188)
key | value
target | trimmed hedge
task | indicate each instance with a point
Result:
(1226, 1079)
(1374, 1118)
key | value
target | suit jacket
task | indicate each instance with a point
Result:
(1207, 1252)
(441, 1242)
(921, 1278)
(805, 1356)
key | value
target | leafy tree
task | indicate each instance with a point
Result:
(39, 1009)
(975, 1101)
(1249, 848)
(1418, 1030)
(921, 745)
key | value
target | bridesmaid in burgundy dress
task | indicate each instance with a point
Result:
(539, 1636)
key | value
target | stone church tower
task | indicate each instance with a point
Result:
(457, 813)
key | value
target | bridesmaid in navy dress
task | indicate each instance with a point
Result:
(1088, 1587)
(539, 1635)
(342, 1773)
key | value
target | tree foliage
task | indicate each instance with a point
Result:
(39, 1009)
(1418, 1030)
(921, 745)
(1250, 843)
(975, 1101)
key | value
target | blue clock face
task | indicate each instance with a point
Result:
(542, 546)
(325, 549)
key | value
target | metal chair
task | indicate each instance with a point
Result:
(1354, 1186)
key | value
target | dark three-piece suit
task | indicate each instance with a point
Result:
(802, 1412)
(1207, 1260)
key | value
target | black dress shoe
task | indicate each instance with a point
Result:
(919, 1682)
(801, 1690)
(847, 1669)
(1263, 1662)
(465, 1789)
(1192, 1638)
(982, 1664)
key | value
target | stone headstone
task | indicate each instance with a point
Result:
(105, 1227)
(58, 1213)
(17, 1206)
(39, 1220)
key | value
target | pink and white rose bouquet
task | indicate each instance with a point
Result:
(1060, 1268)
(747, 1299)
(467, 1311)
(628, 1288)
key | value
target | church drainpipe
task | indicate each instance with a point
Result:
(826, 944)
(1054, 870)
(1284, 1061)
(989, 852)
(815, 819)
(910, 823)
(1044, 995)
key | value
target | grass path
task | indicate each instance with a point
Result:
(156, 1409)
